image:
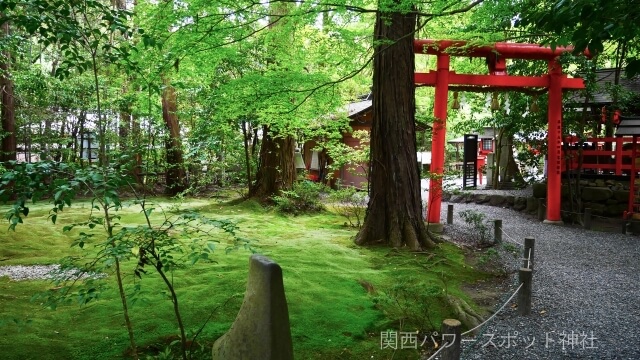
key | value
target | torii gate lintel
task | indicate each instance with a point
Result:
(498, 78)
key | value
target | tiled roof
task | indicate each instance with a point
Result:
(601, 95)
(628, 126)
(356, 108)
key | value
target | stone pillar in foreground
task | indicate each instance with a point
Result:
(261, 329)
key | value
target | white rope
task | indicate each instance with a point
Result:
(496, 313)
(436, 353)
(510, 238)
(529, 259)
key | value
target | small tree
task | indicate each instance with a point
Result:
(185, 238)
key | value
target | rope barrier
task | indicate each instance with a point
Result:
(529, 259)
(436, 353)
(468, 349)
(582, 214)
(495, 313)
(510, 238)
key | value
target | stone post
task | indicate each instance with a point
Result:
(261, 329)
(541, 209)
(529, 244)
(587, 218)
(497, 231)
(524, 295)
(451, 332)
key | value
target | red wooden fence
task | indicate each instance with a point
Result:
(616, 161)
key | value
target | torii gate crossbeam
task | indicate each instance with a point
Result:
(496, 56)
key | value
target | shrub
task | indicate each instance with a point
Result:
(412, 304)
(349, 203)
(304, 197)
(478, 230)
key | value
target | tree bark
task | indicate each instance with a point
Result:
(247, 157)
(276, 168)
(394, 214)
(175, 174)
(138, 148)
(8, 108)
(124, 125)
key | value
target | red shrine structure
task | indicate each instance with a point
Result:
(496, 55)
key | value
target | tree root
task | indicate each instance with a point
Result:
(464, 312)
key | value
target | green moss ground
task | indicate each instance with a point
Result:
(332, 315)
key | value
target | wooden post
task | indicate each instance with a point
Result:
(524, 295)
(541, 211)
(587, 218)
(497, 231)
(450, 214)
(451, 331)
(528, 251)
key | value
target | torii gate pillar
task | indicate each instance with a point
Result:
(438, 139)
(554, 138)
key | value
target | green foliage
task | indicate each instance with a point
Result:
(582, 24)
(510, 248)
(531, 164)
(184, 239)
(320, 264)
(412, 303)
(477, 227)
(490, 255)
(354, 158)
(349, 203)
(303, 198)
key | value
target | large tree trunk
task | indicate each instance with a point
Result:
(276, 168)
(394, 214)
(7, 110)
(508, 168)
(175, 175)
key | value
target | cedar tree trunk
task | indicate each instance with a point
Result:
(175, 175)
(7, 109)
(394, 214)
(276, 168)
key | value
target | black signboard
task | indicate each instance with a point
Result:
(470, 164)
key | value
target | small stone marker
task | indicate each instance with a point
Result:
(497, 231)
(541, 209)
(587, 218)
(524, 296)
(451, 332)
(261, 329)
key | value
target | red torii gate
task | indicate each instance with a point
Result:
(496, 56)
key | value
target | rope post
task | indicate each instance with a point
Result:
(541, 212)
(451, 331)
(450, 214)
(524, 295)
(587, 218)
(497, 231)
(528, 252)
(625, 227)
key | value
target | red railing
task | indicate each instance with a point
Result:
(596, 158)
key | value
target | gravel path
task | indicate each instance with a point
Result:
(586, 295)
(42, 272)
